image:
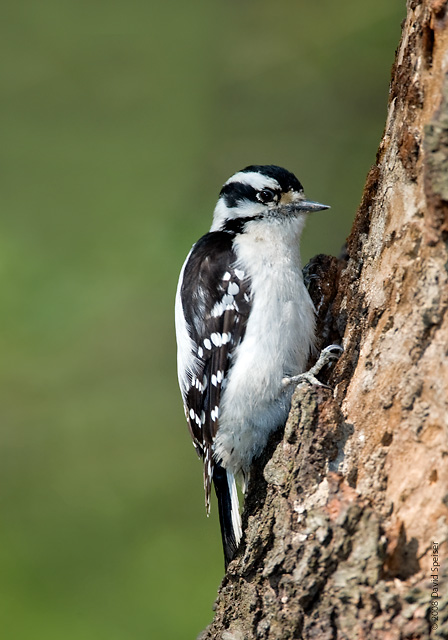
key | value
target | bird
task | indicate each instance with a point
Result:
(245, 329)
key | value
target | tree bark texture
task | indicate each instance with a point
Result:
(346, 517)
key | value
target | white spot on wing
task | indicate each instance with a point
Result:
(207, 344)
(233, 288)
(227, 301)
(218, 310)
(216, 339)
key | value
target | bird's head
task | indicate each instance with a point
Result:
(261, 192)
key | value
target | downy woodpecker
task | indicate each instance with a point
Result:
(245, 327)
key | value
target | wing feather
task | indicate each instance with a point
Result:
(216, 300)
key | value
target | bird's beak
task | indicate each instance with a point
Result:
(309, 205)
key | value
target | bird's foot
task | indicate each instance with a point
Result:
(327, 356)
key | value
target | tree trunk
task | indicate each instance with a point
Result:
(345, 519)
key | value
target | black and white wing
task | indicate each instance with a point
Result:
(214, 299)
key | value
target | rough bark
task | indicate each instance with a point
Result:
(348, 505)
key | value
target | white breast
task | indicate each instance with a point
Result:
(277, 342)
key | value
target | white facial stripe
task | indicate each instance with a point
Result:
(255, 180)
(245, 209)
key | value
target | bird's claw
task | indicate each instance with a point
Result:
(328, 355)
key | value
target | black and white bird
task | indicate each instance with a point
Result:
(245, 327)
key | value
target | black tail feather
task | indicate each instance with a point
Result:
(222, 490)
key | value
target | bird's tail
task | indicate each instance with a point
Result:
(229, 514)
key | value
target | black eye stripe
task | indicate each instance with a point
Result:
(236, 192)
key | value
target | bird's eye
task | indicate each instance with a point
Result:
(266, 195)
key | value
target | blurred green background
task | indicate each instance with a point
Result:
(120, 122)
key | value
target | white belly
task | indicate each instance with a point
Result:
(277, 343)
